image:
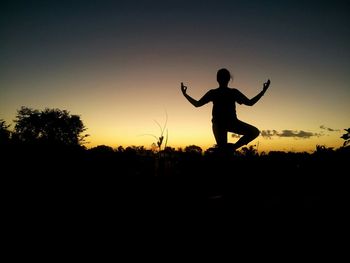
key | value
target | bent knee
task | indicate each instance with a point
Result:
(256, 132)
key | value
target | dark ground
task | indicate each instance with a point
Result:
(83, 180)
(64, 199)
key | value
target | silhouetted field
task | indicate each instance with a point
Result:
(103, 181)
(47, 173)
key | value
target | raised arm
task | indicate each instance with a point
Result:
(251, 102)
(196, 103)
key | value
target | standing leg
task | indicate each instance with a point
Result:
(220, 135)
(248, 131)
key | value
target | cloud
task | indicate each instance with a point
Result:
(268, 134)
(328, 129)
(297, 134)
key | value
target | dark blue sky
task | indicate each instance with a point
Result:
(52, 29)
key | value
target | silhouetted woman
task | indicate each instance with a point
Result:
(224, 111)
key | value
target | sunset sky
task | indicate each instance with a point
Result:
(119, 65)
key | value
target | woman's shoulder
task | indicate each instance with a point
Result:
(235, 91)
(213, 91)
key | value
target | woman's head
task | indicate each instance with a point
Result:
(223, 76)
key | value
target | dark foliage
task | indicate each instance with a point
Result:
(5, 133)
(50, 127)
(244, 179)
(346, 137)
(102, 183)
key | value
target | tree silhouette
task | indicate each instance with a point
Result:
(322, 149)
(5, 134)
(346, 137)
(50, 126)
(249, 151)
(102, 149)
(193, 149)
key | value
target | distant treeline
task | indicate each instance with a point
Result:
(54, 138)
(46, 155)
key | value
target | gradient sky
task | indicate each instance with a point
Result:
(119, 64)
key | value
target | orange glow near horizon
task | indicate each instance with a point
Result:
(122, 110)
